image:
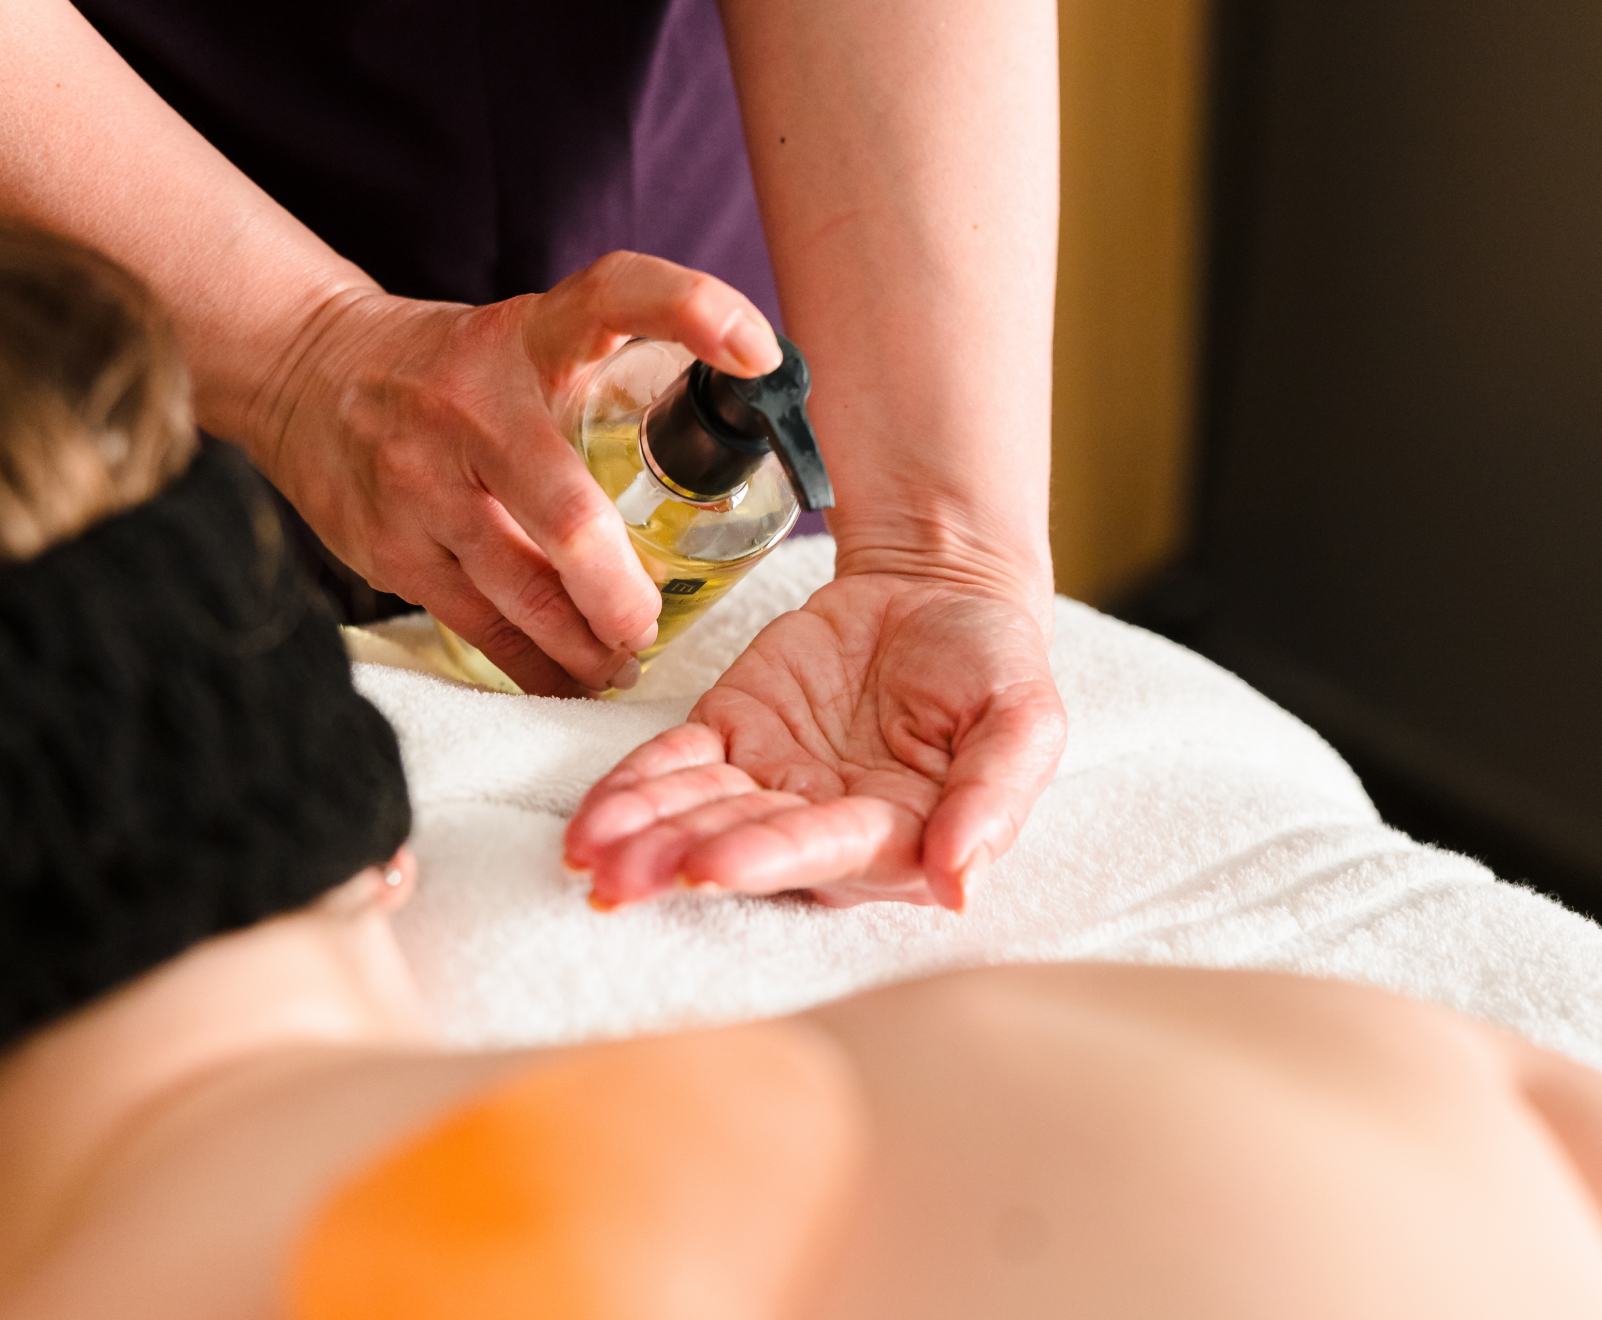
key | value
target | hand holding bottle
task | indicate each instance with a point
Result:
(885, 741)
(418, 439)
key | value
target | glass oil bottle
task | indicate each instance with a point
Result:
(709, 472)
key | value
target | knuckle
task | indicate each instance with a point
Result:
(451, 409)
(542, 607)
(608, 271)
(399, 466)
(632, 622)
(579, 522)
(500, 636)
(705, 298)
(509, 646)
(1051, 731)
(1050, 721)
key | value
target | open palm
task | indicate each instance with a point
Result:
(885, 741)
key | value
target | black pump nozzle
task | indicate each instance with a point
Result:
(709, 431)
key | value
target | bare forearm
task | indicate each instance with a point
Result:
(905, 155)
(87, 149)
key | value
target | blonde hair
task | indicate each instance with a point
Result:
(94, 398)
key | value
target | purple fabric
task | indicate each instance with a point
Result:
(685, 137)
(467, 150)
(470, 151)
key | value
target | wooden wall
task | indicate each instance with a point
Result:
(1132, 97)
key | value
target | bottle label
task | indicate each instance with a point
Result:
(682, 586)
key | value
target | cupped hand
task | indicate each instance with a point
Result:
(420, 441)
(885, 741)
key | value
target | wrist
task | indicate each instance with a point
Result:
(250, 392)
(939, 473)
(958, 546)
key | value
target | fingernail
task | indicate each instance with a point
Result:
(699, 886)
(573, 869)
(970, 878)
(601, 904)
(643, 642)
(628, 676)
(973, 876)
(752, 343)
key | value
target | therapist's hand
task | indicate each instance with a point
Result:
(885, 741)
(418, 440)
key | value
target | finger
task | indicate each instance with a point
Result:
(542, 485)
(628, 811)
(626, 293)
(511, 573)
(1000, 767)
(681, 748)
(450, 596)
(811, 847)
(677, 749)
(652, 861)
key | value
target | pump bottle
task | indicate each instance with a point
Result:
(708, 470)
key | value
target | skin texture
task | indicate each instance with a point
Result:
(434, 407)
(835, 754)
(905, 160)
(228, 1136)
(1135, 1142)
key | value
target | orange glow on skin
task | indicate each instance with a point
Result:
(696, 1177)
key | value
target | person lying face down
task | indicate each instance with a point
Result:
(220, 1095)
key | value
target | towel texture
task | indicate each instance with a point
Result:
(1190, 822)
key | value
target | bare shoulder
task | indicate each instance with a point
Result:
(691, 1177)
(720, 1153)
(1303, 1027)
(191, 1212)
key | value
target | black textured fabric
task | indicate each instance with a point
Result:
(181, 750)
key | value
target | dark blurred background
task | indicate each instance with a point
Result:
(1384, 507)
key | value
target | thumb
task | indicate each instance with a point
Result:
(998, 769)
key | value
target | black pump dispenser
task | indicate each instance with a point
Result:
(709, 431)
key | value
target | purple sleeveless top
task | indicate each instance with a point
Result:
(470, 149)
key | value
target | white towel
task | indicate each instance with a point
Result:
(1190, 822)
